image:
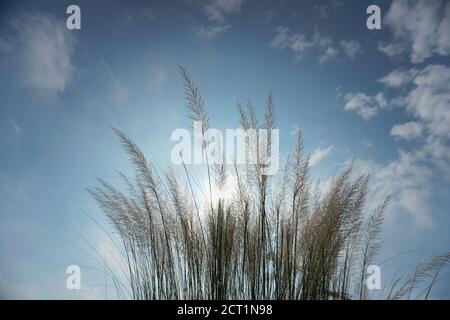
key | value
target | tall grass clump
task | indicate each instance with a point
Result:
(275, 238)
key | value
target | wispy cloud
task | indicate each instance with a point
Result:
(391, 49)
(217, 12)
(42, 50)
(18, 131)
(408, 131)
(297, 42)
(10, 133)
(320, 153)
(351, 48)
(329, 54)
(210, 32)
(399, 77)
(301, 44)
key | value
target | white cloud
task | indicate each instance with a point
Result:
(408, 131)
(437, 149)
(399, 78)
(424, 96)
(319, 153)
(391, 49)
(301, 44)
(408, 181)
(43, 48)
(423, 25)
(297, 42)
(351, 47)
(429, 100)
(330, 54)
(364, 105)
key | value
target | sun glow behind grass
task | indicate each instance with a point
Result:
(237, 235)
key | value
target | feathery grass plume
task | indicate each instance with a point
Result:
(428, 268)
(371, 242)
(273, 239)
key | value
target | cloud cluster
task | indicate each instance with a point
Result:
(428, 98)
(424, 96)
(422, 30)
(301, 44)
(422, 25)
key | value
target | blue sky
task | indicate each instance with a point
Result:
(380, 96)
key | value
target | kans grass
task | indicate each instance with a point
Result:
(272, 240)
